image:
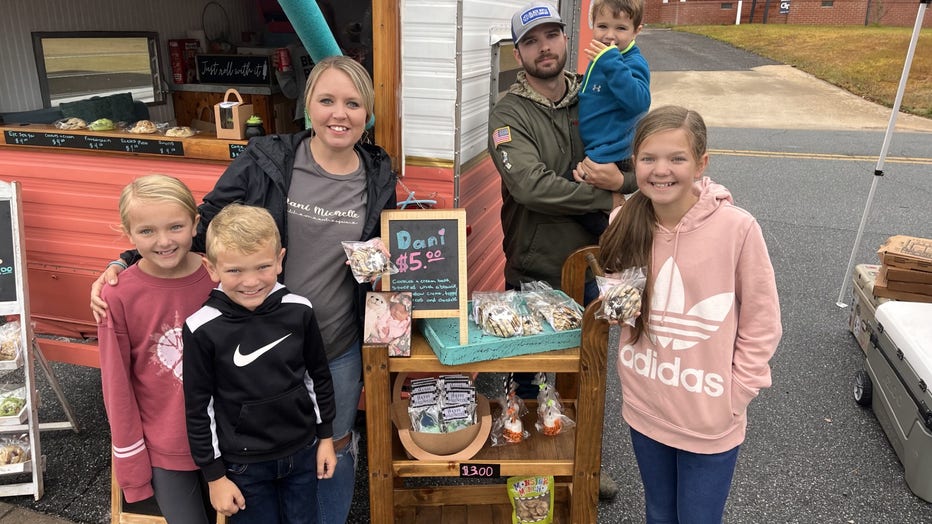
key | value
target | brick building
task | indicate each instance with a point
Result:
(812, 12)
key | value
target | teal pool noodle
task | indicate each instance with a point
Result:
(311, 27)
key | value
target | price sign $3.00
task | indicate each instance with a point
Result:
(487, 471)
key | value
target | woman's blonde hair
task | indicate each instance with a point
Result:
(152, 189)
(629, 239)
(241, 229)
(354, 70)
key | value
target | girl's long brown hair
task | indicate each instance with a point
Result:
(629, 238)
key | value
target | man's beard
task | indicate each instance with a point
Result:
(532, 68)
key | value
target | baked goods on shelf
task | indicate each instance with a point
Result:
(69, 124)
(180, 132)
(144, 127)
(12, 453)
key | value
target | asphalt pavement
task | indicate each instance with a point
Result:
(800, 155)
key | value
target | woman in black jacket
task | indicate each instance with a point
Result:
(322, 186)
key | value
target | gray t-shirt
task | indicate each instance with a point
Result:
(323, 210)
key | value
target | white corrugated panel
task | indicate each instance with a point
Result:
(429, 78)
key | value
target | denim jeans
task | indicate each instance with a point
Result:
(680, 486)
(335, 495)
(278, 491)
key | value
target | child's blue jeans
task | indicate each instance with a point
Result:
(278, 491)
(680, 486)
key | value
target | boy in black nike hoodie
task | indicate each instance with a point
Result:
(258, 393)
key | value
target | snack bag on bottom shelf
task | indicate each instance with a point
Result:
(531, 498)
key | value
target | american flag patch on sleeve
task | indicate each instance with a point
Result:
(501, 136)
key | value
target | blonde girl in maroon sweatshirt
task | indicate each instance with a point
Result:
(709, 323)
(141, 349)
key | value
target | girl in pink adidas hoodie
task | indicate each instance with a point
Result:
(709, 323)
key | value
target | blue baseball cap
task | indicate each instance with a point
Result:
(531, 16)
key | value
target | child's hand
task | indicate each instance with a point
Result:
(225, 497)
(595, 47)
(108, 277)
(326, 458)
(603, 176)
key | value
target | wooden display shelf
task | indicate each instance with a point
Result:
(573, 458)
(486, 504)
(511, 458)
(202, 146)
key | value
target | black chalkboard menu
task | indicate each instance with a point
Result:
(7, 254)
(94, 142)
(429, 248)
(235, 69)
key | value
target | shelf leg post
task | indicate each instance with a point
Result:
(590, 412)
(378, 432)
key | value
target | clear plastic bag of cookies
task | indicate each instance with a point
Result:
(10, 340)
(559, 310)
(621, 295)
(497, 313)
(368, 260)
(14, 450)
(70, 124)
(12, 400)
(531, 499)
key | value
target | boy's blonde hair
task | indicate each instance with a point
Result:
(242, 229)
(633, 8)
(152, 189)
(354, 70)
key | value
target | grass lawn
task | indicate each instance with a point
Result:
(866, 61)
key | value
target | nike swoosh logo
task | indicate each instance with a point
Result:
(244, 360)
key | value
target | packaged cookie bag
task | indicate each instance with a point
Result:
(10, 345)
(369, 259)
(497, 313)
(559, 310)
(531, 498)
(621, 295)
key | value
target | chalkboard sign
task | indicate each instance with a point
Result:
(7, 254)
(429, 248)
(235, 69)
(236, 150)
(95, 142)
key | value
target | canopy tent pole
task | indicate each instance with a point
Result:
(878, 170)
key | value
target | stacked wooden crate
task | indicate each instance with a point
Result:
(906, 269)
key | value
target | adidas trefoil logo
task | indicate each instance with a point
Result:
(670, 322)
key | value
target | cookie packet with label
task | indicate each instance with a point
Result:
(531, 499)
(621, 295)
(368, 259)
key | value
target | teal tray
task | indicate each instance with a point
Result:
(443, 335)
